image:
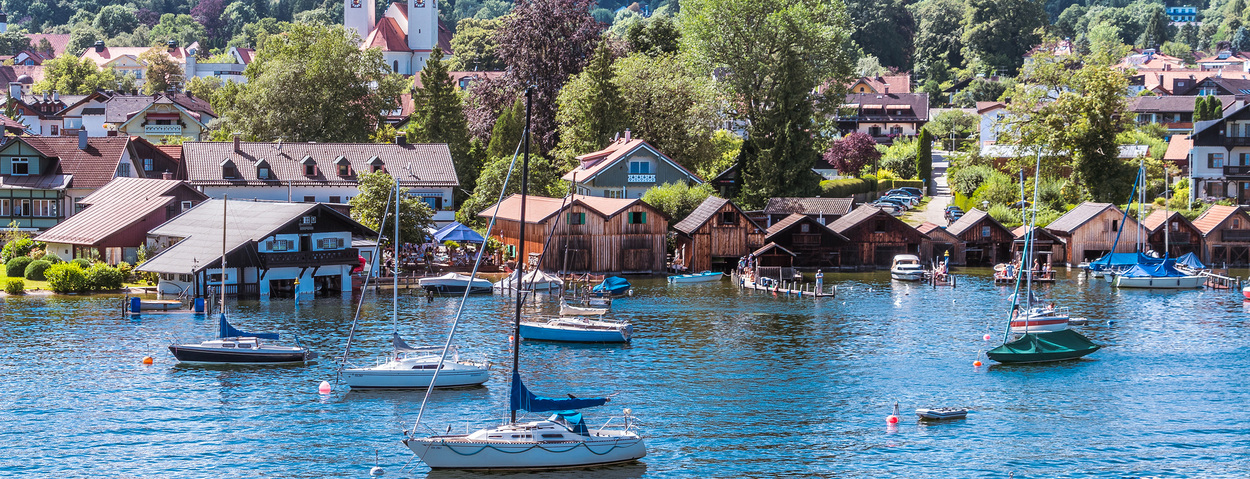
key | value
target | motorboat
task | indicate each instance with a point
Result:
(577, 330)
(942, 413)
(238, 347)
(1157, 276)
(455, 283)
(1035, 320)
(535, 280)
(561, 441)
(567, 309)
(413, 368)
(704, 277)
(611, 286)
(907, 267)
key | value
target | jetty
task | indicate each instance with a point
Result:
(782, 287)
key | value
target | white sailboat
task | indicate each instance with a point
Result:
(561, 441)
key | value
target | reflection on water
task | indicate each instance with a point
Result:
(726, 383)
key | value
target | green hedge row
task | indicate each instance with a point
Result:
(845, 187)
(887, 185)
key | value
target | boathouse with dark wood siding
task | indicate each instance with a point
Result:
(986, 241)
(874, 237)
(1049, 247)
(1090, 230)
(814, 245)
(939, 243)
(1177, 235)
(1225, 236)
(715, 236)
(823, 210)
(591, 234)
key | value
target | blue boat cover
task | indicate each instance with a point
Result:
(1190, 260)
(1162, 270)
(457, 232)
(225, 330)
(575, 421)
(614, 285)
(524, 400)
(1119, 260)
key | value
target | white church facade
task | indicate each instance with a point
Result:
(407, 32)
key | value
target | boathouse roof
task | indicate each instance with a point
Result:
(970, 220)
(1077, 217)
(539, 208)
(1211, 220)
(809, 206)
(706, 210)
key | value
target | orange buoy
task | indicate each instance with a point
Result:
(976, 364)
(148, 360)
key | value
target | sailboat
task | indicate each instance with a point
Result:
(562, 440)
(1032, 346)
(410, 367)
(232, 346)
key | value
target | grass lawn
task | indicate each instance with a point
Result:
(915, 216)
(32, 285)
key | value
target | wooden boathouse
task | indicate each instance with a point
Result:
(1177, 235)
(939, 243)
(1090, 230)
(1049, 248)
(812, 244)
(874, 237)
(986, 241)
(591, 234)
(715, 236)
(1225, 236)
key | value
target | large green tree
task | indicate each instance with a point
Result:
(884, 29)
(474, 46)
(677, 200)
(180, 28)
(73, 76)
(939, 34)
(589, 107)
(999, 32)
(162, 73)
(370, 206)
(438, 117)
(670, 107)
(13, 42)
(311, 83)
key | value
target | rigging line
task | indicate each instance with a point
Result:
(377, 246)
(464, 298)
(520, 281)
(1116, 243)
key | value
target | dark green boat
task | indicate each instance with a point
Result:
(1043, 347)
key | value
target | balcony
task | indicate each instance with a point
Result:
(163, 130)
(641, 179)
(1236, 141)
(1236, 170)
(1235, 236)
(310, 258)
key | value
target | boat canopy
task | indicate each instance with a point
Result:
(457, 232)
(1162, 270)
(1190, 260)
(225, 330)
(614, 283)
(524, 400)
(1122, 260)
(573, 420)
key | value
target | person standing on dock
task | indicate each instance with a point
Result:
(820, 282)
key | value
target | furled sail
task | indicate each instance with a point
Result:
(524, 400)
(225, 330)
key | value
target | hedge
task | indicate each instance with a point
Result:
(887, 185)
(82, 263)
(66, 278)
(844, 187)
(16, 267)
(36, 269)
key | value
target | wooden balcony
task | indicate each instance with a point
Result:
(1235, 236)
(310, 258)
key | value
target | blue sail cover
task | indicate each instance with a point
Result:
(457, 232)
(1190, 260)
(225, 330)
(1162, 270)
(1122, 260)
(524, 400)
(614, 285)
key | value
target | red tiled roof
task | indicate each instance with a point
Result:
(245, 54)
(58, 41)
(594, 163)
(91, 168)
(387, 36)
(539, 208)
(1178, 148)
(9, 74)
(113, 208)
(878, 84)
(1211, 219)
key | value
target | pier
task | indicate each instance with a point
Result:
(781, 287)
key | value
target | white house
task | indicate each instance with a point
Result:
(992, 114)
(1220, 159)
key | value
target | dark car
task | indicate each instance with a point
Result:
(911, 190)
(901, 204)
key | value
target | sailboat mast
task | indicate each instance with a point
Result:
(395, 268)
(520, 262)
(225, 201)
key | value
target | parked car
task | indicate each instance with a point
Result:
(913, 191)
(891, 208)
(893, 201)
(911, 200)
(906, 191)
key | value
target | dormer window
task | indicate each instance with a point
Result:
(262, 170)
(344, 166)
(310, 166)
(376, 165)
(228, 170)
(21, 166)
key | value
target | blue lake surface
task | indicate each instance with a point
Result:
(727, 383)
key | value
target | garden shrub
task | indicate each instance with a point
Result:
(16, 267)
(16, 248)
(82, 263)
(842, 188)
(104, 277)
(52, 258)
(35, 270)
(15, 286)
(966, 180)
(66, 278)
(126, 270)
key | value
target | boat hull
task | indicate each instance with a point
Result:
(440, 453)
(454, 288)
(1180, 282)
(365, 378)
(159, 305)
(1044, 347)
(572, 334)
(195, 354)
(696, 278)
(907, 275)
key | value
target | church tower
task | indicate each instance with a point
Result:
(422, 30)
(359, 15)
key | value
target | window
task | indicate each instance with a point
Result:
(434, 202)
(147, 164)
(336, 199)
(1115, 225)
(310, 169)
(985, 231)
(1215, 160)
(22, 209)
(575, 218)
(262, 172)
(21, 166)
(345, 169)
(395, 66)
(280, 245)
(78, 206)
(310, 199)
(330, 243)
(805, 228)
(4, 208)
(637, 217)
(186, 205)
(1245, 159)
(640, 167)
(613, 194)
(44, 208)
(1236, 223)
(56, 131)
(123, 169)
(729, 218)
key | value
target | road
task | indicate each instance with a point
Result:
(934, 211)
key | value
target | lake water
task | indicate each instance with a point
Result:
(727, 383)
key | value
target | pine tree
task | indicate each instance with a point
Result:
(924, 158)
(438, 117)
(1200, 108)
(786, 151)
(590, 107)
(12, 111)
(1215, 108)
(506, 135)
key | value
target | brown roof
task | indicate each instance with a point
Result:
(113, 208)
(931, 230)
(1212, 218)
(10, 74)
(706, 210)
(1178, 148)
(539, 208)
(58, 41)
(1078, 216)
(878, 84)
(1158, 218)
(1234, 57)
(121, 107)
(591, 164)
(1020, 231)
(918, 103)
(90, 168)
(971, 219)
(769, 246)
(809, 206)
(431, 162)
(1169, 104)
(985, 106)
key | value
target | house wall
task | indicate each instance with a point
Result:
(715, 240)
(1095, 237)
(602, 245)
(939, 243)
(876, 240)
(1182, 237)
(1228, 243)
(991, 125)
(322, 194)
(995, 247)
(616, 178)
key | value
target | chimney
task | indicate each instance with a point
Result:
(167, 175)
(82, 139)
(887, 88)
(173, 45)
(15, 90)
(236, 143)
(56, 96)
(99, 46)
(628, 136)
(401, 138)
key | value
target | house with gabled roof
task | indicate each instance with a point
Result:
(589, 234)
(1225, 235)
(875, 236)
(406, 34)
(165, 118)
(813, 245)
(626, 168)
(823, 210)
(940, 244)
(985, 240)
(41, 176)
(1172, 233)
(1048, 248)
(321, 172)
(881, 84)
(1219, 164)
(153, 117)
(115, 219)
(1092, 230)
(884, 116)
(1219, 85)
(272, 249)
(125, 60)
(715, 236)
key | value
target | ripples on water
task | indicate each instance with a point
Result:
(727, 384)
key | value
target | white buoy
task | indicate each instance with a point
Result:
(324, 387)
(376, 470)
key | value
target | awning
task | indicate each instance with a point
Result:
(457, 232)
(898, 107)
(872, 107)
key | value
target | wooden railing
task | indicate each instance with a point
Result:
(1239, 236)
(311, 258)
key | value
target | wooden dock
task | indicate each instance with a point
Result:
(787, 288)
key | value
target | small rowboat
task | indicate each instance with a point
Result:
(567, 310)
(706, 276)
(942, 413)
(138, 304)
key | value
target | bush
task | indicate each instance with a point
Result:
(845, 187)
(52, 258)
(998, 189)
(15, 287)
(900, 158)
(965, 181)
(37, 254)
(82, 263)
(104, 277)
(66, 278)
(126, 270)
(16, 267)
(35, 270)
(16, 248)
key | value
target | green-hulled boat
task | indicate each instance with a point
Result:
(1043, 347)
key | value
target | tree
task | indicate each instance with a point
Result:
(115, 19)
(544, 180)
(474, 44)
(369, 206)
(670, 107)
(924, 158)
(852, 153)
(677, 200)
(325, 86)
(1241, 40)
(543, 43)
(999, 32)
(869, 66)
(1155, 27)
(236, 17)
(505, 137)
(952, 125)
(81, 37)
(1189, 36)
(70, 76)
(1178, 50)
(1208, 107)
(438, 117)
(179, 28)
(12, 111)
(654, 36)
(589, 107)
(884, 29)
(162, 73)
(13, 42)
(980, 89)
(939, 33)
(774, 53)
(209, 13)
